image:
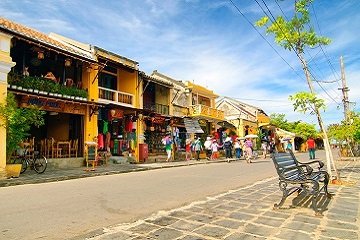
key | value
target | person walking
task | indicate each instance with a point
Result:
(311, 147)
(168, 146)
(197, 146)
(264, 149)
(214, 150)
(238, 148)
(228, 148)
(248, 147)
(289, 145)
(188, 149)
(207, 146)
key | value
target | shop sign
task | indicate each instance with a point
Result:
(117, 113)
(53, 105)
(158, 120)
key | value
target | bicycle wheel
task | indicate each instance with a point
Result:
(40, 164)
(24, 164)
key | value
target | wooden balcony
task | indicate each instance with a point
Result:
(157, 107)
(107, 96)
(205, 112)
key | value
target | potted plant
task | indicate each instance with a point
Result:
(17, 122)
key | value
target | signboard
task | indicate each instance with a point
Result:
(56, 105)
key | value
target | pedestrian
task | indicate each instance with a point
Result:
(197, 146)
(264, 149)
(214, 150)
(289, 145)
(168, 146)
(238, 148)
(248, 146)
(188, 149)
(272, 146)
(311, 147)
(228, 147)
(207, 146)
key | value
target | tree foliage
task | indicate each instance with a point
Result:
(305, 101)
(17, 122)
(346, 131)
(303, 130)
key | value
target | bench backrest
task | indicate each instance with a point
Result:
(287, 166)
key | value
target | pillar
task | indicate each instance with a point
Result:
(6, 64)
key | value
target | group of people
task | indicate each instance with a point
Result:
(212, 147)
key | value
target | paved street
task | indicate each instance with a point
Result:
(247, 213)
(243, 213)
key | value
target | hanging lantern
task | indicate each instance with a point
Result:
(67, 62)
(40, 55)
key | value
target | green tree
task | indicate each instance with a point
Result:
(347, 131)
(17, 122)
(278, 119)
(295, 35)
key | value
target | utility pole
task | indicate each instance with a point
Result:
(344, 90)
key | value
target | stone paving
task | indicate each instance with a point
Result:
(244, 213)
(247, 213)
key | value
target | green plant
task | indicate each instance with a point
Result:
(17, 122)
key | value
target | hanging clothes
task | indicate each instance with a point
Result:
(105, 128)
(100, 141)
(107, 141)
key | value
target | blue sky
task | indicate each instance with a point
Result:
(211, 43)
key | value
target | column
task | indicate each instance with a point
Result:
(6, 64)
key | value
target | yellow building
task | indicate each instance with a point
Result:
(246, 118)
(52, 72)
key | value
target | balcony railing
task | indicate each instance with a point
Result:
(107, 95)
(157, 107)
(205, 111)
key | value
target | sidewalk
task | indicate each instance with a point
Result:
(54, 175)
(247, 213)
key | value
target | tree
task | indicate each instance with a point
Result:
(295, 35)
(278, 119)
(17, 122)
(345, 131)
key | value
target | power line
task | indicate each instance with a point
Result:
(265, 39)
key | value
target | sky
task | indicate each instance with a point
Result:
(215, 44)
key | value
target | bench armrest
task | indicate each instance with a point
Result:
(320, 163)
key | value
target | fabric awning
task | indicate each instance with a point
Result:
(192, 126)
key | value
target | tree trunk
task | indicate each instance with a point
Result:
(329, 156)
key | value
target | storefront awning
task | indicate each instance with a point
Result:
(192, 126)
(226, 124)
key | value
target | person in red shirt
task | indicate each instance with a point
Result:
(311, 147)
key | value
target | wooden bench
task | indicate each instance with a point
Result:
(295, 176)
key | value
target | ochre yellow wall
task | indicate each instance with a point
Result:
(90, 125)
(5, 65)
(127, 81)
(162, 97)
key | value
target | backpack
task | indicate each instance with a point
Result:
(227, 144)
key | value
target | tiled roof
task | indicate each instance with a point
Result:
(156, 79)
(26, 33)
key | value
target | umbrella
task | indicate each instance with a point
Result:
(251, 136)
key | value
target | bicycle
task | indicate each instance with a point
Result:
(38, 162)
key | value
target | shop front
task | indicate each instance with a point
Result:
(62, 135)
(117, 132)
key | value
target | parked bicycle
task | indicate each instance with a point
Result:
(38, 162)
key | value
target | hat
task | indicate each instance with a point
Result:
(214, 140)
(208, 138)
